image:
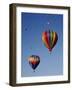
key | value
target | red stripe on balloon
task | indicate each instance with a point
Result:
(47, 40)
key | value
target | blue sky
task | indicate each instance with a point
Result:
(33, 24)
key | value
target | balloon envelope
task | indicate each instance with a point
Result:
(34, 61)
(49, 38)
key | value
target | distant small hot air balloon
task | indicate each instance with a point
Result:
(49, 38)
(34, 61)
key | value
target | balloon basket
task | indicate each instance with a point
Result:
(50, 52)
(33, 70)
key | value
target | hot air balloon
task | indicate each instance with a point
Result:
(49, 38)
(34, 61)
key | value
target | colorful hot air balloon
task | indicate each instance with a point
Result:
(34, 61)
(49, 38)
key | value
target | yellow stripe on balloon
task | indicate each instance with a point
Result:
(44, 40)
(54, 35)
(51, 39)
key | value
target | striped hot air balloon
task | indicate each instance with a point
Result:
(34, 61)
(49, 38)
